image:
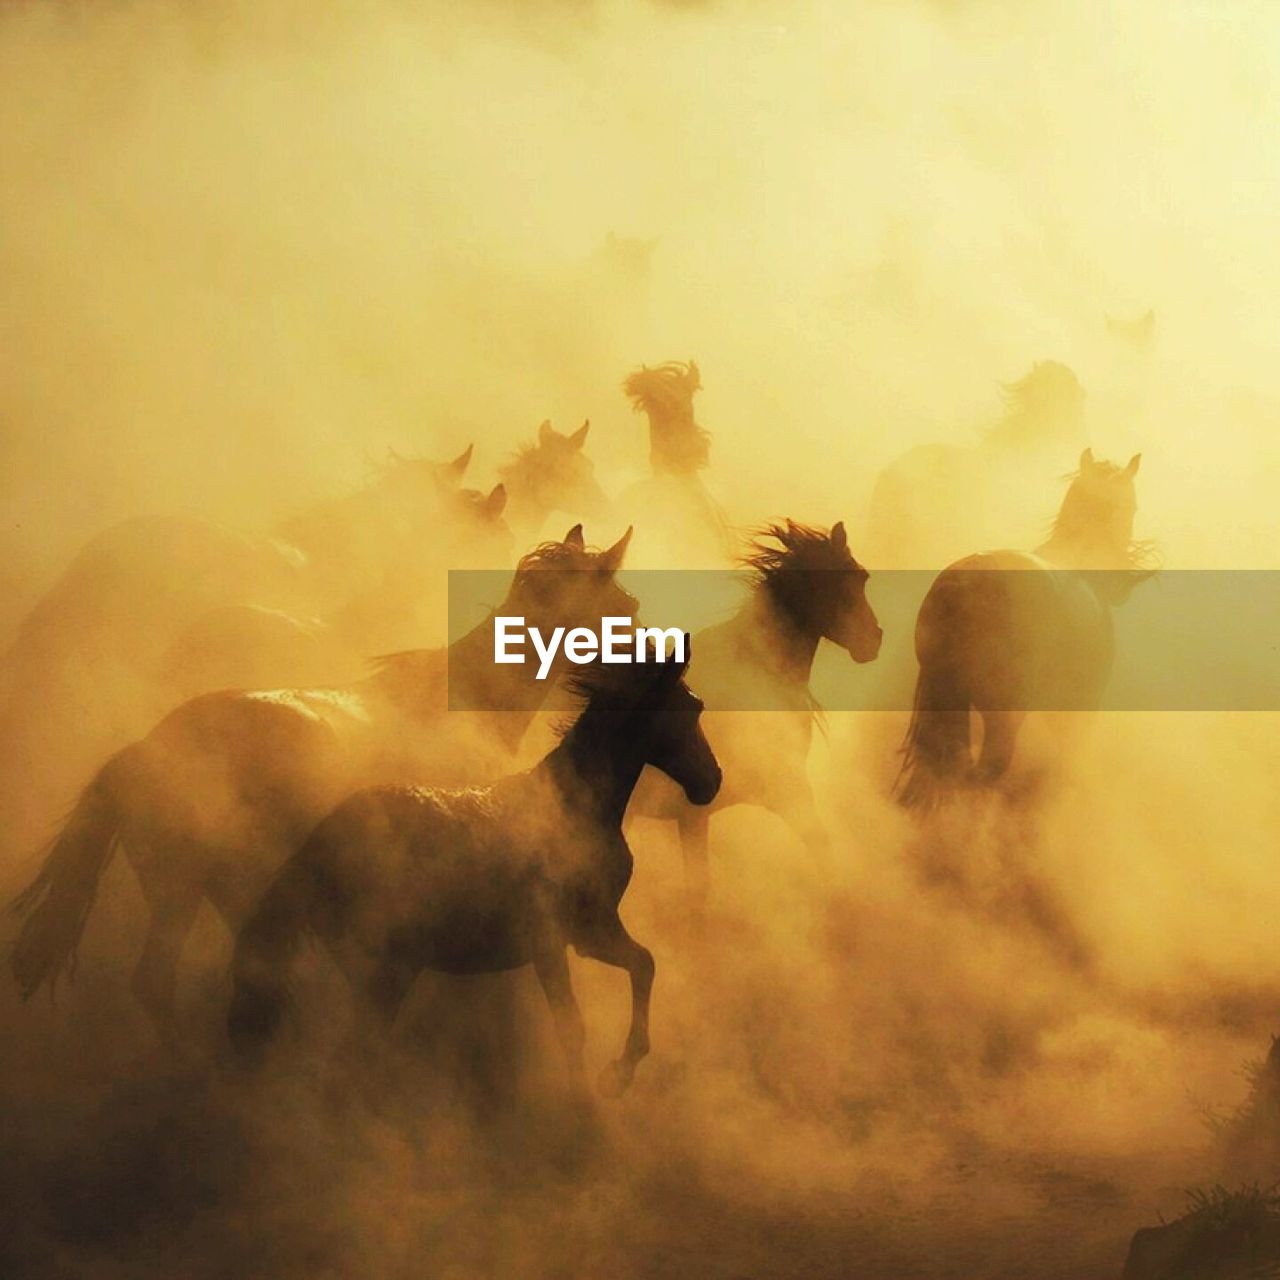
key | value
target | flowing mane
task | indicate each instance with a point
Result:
(1097, 512)
(781, 548)
(1044, 404)
(677, 444)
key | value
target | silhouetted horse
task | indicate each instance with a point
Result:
(807, 587)
(401, 879)
(1007, 632)
(680, 521)
(551, 475)
(253, 646)
(87, 669)
(937, 500)
(212, 801)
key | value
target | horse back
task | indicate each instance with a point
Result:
(1017, 632)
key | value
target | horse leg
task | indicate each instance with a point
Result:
(999, 737)
(694, 825)
(798, 809)
(378, 989)
(610, 943)
(155, 978)
(552, 967)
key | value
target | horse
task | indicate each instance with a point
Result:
(806, 587)
(552, 474)
(212, 801)
(1006, 632)
(90, 664)
(939, 499)
(396, 880)
(255, 646)
(674, 498)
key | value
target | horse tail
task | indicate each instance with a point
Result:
(935, 753)
(57, 902)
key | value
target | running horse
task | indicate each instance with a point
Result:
(1006, 632)
(682, 523)
(401, 879)
(754, 671)
(213, 800)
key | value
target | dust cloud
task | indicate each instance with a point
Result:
(247, 250)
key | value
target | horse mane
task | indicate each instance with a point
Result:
(665, 392)
(602, 683)
(781, 548)
(1029, 400)
(523, 462)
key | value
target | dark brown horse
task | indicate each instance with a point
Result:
(1006, 632)
(401, 879)
(211, 802)
(807, 587)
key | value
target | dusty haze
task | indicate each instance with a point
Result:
(245, 250)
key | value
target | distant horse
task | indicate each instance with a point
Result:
(807, 587)
(401, 879)
(551, 475)
(937, 500)
(1007, 632)
(254, 646)
(677, 514)
(212, 801)
(88, 665)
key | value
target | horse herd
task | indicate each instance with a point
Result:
(366, 815)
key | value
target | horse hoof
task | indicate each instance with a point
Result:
(615, 1079)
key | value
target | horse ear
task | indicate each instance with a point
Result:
(546, 431)
(839, 538)
(579, 437)
(574, 538)
(1086, 460)
(496, 502)
(458, 467)
(1134, 463)
(611, 560)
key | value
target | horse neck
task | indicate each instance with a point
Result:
(525, 509)
(667, 429)
(1083, 551)
(477, 679)
(510, 693)
(782, 643)
(596, 767)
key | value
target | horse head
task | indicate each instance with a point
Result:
(650, 705)
(555, 474)
(1094, 528)
(677, 444)
(569, 584)
(811, 577)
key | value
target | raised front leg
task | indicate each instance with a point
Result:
(610, 943)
